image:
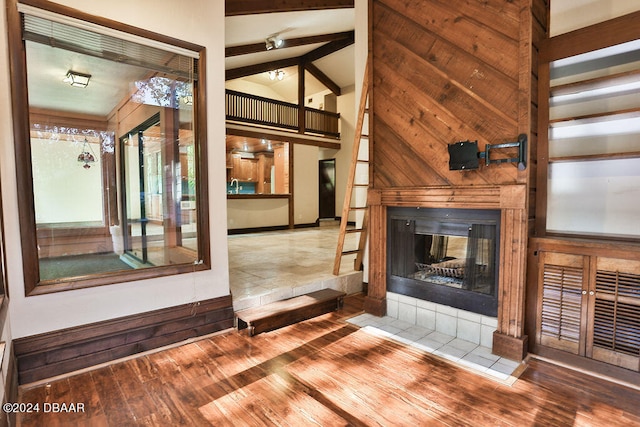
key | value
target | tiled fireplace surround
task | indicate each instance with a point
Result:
(461, 324)
(505, 335)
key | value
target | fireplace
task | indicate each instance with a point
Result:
(446, 256)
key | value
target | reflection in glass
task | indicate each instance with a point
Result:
(133, 204)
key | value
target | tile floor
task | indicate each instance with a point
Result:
(463, 353)
(275, 265)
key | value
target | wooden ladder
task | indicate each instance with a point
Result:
(356, 159)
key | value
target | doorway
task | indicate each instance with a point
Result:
(327, 190)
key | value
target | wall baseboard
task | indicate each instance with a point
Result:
(63, 351)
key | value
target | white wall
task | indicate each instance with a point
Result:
(246, 86)
(569, 15)
(348, 119)
(255, 213)
(196, 21)
(54, 165)
(305, 184)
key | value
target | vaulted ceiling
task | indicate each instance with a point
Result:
(317, 35)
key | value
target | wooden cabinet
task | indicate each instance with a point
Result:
(265, 163)
(244, 169)
(589, 305)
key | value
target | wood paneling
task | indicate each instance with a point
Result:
(442, 73)
(59, 352)
(449, 71)
(248, 7)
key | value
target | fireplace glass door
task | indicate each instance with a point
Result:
(445, 256)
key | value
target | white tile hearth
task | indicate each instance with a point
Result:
(466, 354)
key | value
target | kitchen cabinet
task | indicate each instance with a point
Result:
(244, 169)
(265, 164)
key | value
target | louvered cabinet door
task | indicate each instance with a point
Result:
(614, 330)
(562, 303)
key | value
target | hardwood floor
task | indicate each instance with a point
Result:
(322, 372)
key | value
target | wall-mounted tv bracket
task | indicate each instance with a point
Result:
(464, 155)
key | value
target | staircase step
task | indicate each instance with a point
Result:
(287, 312)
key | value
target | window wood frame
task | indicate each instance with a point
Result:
(598, 36)
(20, 118)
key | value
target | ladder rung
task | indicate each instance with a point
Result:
(362, 161)
(355, 251)
(359, 208)
(354, 230)
(364, 136)
(360, 185)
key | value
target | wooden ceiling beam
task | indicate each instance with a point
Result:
(323, 78)
(301, 41)
(327, 49)
(250, 70)
(251, 7)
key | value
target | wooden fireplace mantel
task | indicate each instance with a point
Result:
(511, 200)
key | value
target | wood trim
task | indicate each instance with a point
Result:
(293, 138)
(74, 120)
(510, 347)
(614, 31)
(22, 146)
(28, 232)
(542, 155)
(588, 247)
(375, 301)
(512, 277)
(287, 43)
(250, 70)
(10, 388)
(250, 7)
(476, 197)
(594, 157)
(596, 83)
(583, 364)
(233, 231)
(105, 22)
(202, 161)
(63, 351)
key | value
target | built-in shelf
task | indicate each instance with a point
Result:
(594, 157)
(608, 116)
(596, 83)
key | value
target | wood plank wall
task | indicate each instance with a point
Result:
(445, 71)
(60, 352)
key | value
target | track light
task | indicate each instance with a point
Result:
(273, 42)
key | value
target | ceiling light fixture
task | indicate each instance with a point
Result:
(76, 79)
(276, 74)
(273, 42)
(86, 155)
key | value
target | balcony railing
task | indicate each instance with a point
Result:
(252, 109)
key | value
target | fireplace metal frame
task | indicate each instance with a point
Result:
(459, 298)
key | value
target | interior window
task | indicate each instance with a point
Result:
(113, 154)
(594, 151)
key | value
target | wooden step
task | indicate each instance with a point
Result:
(287, 312)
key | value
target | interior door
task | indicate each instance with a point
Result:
(327, 190)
